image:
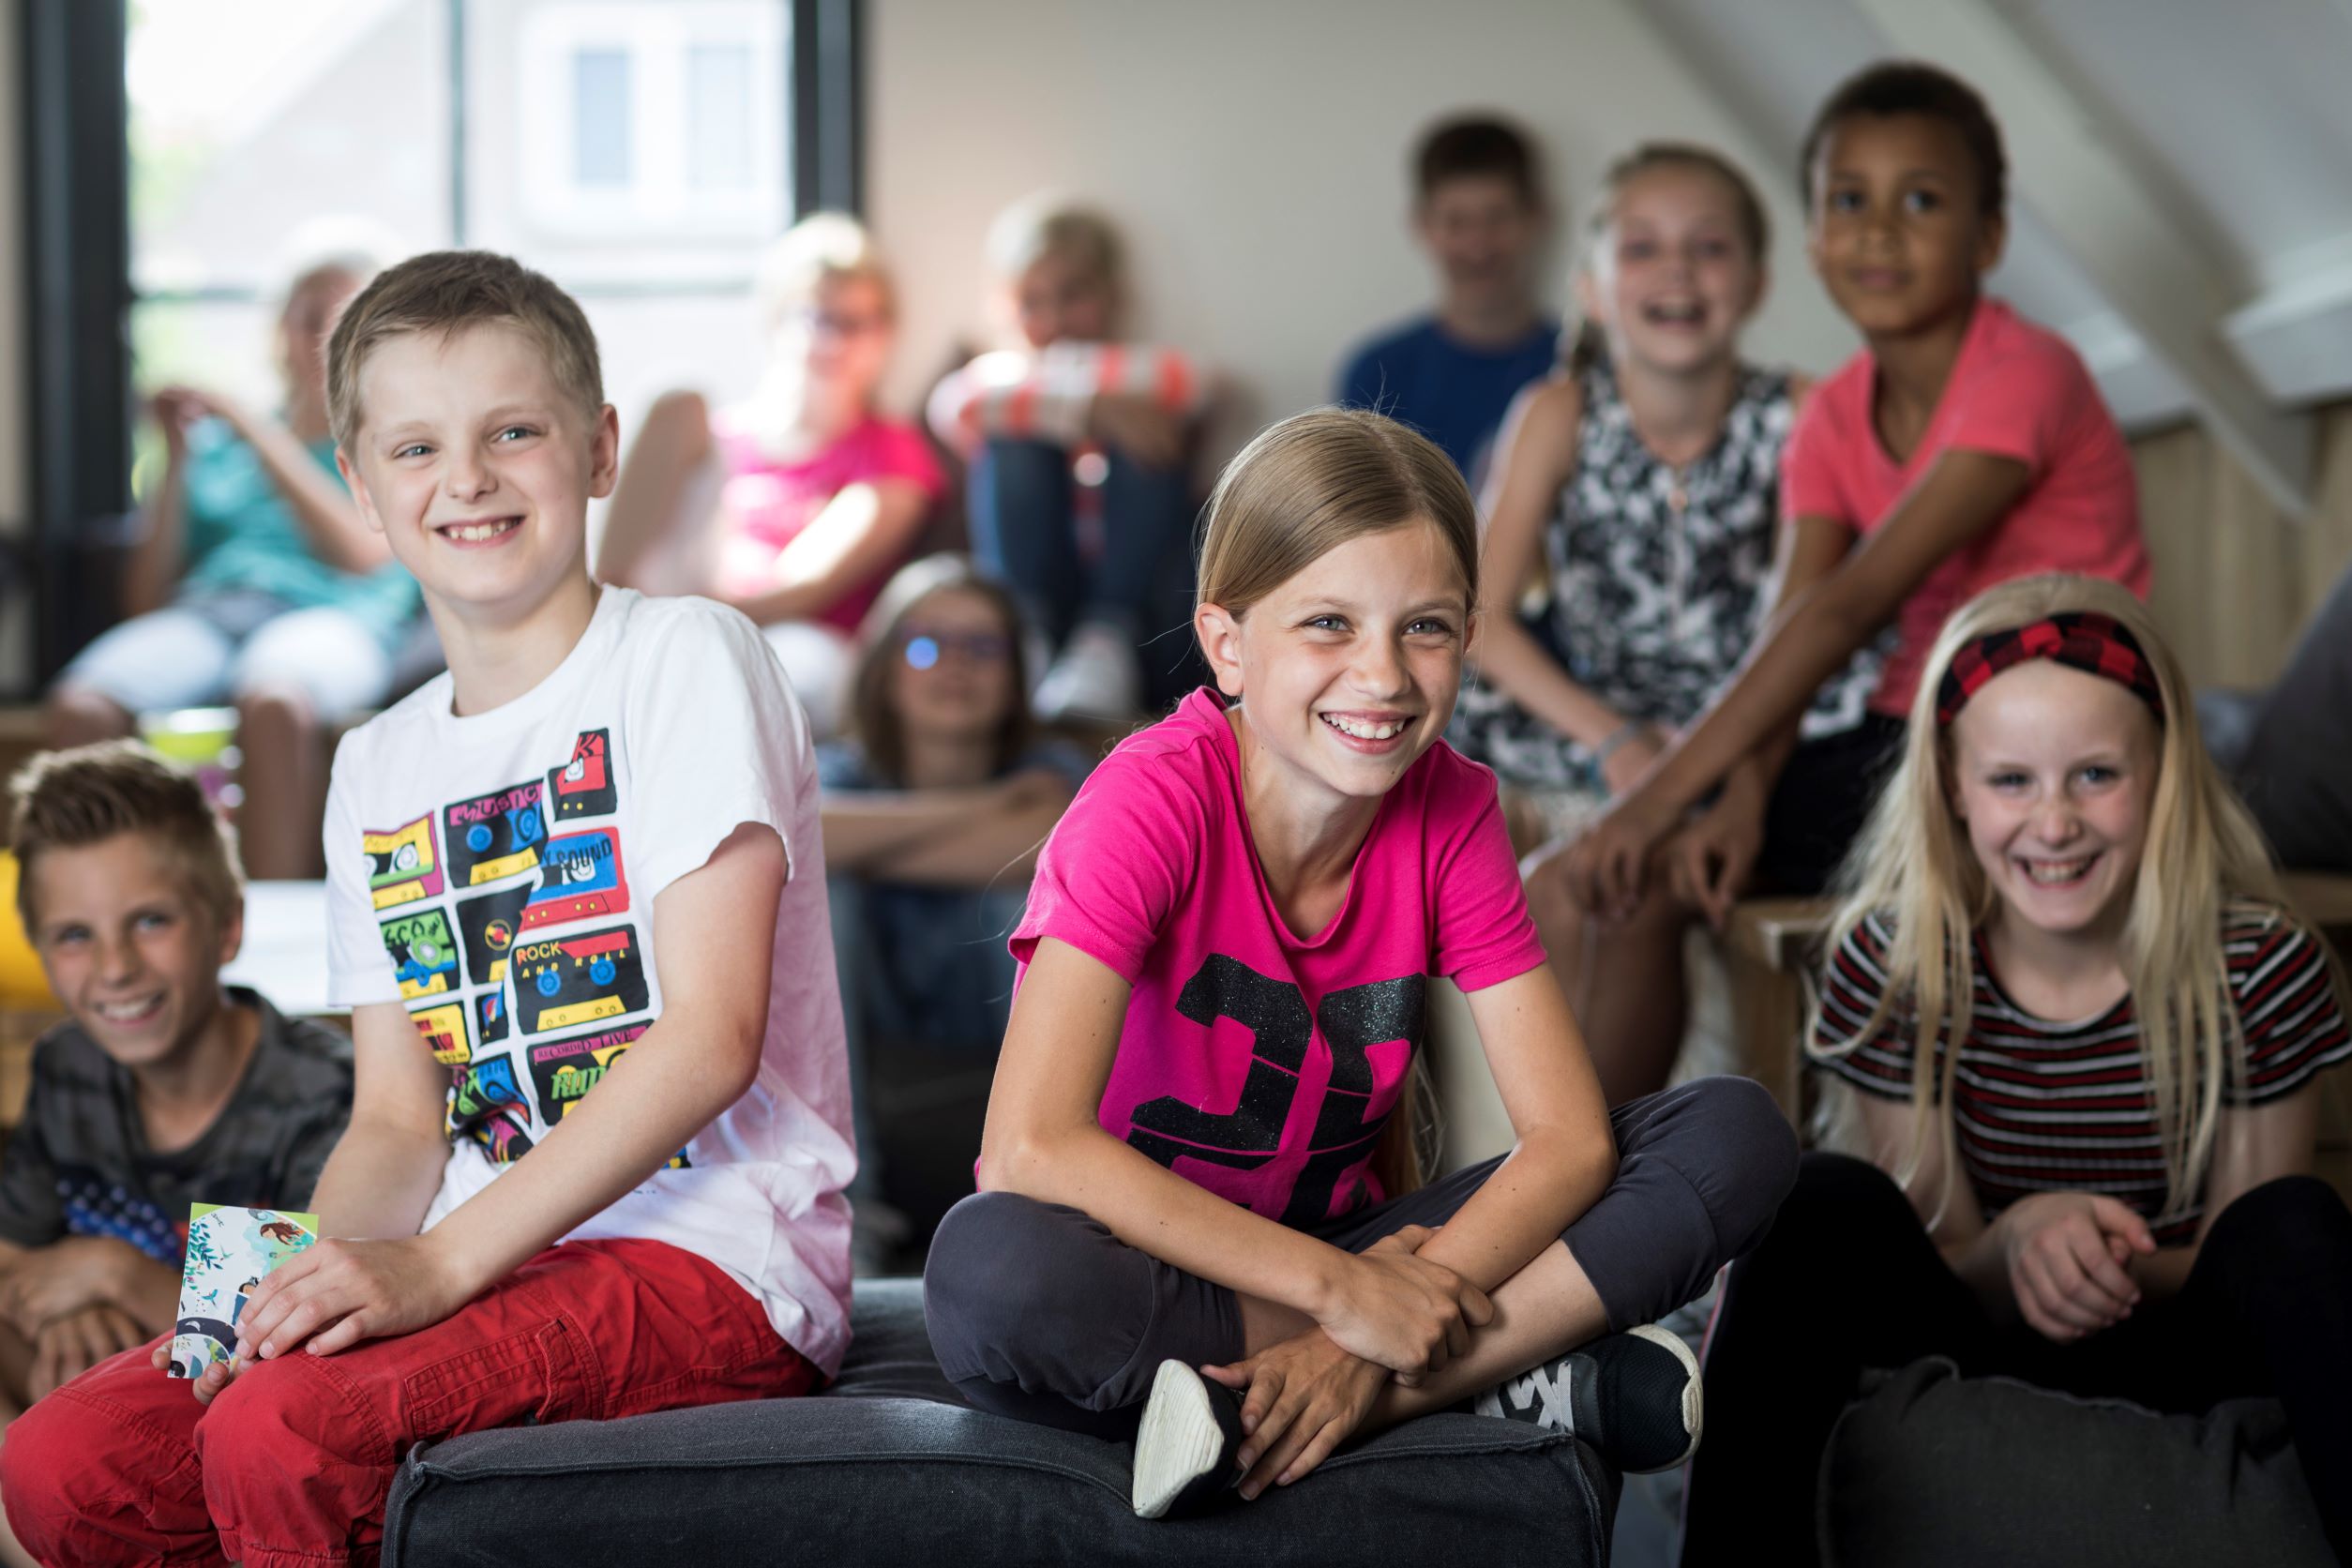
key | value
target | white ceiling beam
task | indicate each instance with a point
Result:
(2091, 198)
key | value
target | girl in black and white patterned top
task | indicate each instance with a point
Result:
(1644, 475)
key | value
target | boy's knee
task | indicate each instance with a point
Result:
(281, 1445)
(62, 1461)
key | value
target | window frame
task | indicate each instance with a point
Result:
(74, 118)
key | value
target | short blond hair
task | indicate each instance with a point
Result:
(823, 247)
(70, 800)
(443, 293)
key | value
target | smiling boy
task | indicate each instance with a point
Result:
(587, 856)
(164, 1089)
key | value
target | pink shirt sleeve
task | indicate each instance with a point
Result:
(1480, 932)
(2018, 401)
(901, 453)
(1110, 873)
(1809, 486)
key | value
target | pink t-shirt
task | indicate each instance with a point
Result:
(2016, 391)
(770, 500)
(1255, 1062)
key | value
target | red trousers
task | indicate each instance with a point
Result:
(290, 1463)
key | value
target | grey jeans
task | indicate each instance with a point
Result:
(1036, 1310)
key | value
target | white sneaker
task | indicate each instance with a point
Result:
(1097, 678)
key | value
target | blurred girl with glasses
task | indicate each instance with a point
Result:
(936, 803)
(797, 505)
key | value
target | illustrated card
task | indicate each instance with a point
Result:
(230, 1251)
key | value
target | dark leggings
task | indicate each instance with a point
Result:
(1038, 1311)
(1848, 1279)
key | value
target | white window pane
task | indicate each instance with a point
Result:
(600, 117)
(718, 110)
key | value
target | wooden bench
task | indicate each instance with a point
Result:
(1771, 945)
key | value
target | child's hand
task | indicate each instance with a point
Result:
(64, 1276)
(337, 1293)
(1136, 423)
(2066, 1253)
(1303, 1397)
(1605, 865)
(1708, 862)
(70, 1345)
(1409, 1315)
(206, 1388)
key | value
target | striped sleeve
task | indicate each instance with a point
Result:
(2287, 1004)
(1851, 984)
(1046, 395)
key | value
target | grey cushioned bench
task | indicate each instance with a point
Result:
(889, 1467)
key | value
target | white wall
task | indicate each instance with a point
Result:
(1255, 152)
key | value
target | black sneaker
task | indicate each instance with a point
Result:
(1633, 1397)
(1183, 1451)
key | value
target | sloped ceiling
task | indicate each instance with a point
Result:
(2182, 178)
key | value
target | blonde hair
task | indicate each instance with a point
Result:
(1913, 866)
(1046, 225)
(70, 800)
(446, 292)
(1310, 484)
(823, 247)
(1582, 344)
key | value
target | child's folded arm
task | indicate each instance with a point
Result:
(1564, 1156)
(1043, 1141)
(39, 1284)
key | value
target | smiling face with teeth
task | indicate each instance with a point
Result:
(1347, 671)
(2054, 773)
(1673, 276)
(478, 468)
(131, 950)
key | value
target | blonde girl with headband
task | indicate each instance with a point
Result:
(2105, 1188)
(1642, 481)
(1225, 965)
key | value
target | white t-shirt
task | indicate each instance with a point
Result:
(496, 873)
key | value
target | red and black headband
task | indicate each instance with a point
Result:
(2080, 639)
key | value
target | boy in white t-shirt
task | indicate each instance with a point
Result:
(577, 905)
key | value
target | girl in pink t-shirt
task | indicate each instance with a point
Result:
(1963, 447)
(1225, 969)
(796, 506)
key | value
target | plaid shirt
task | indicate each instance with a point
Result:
(79, 1164)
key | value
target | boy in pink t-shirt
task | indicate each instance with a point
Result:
(1961, 448)
(1225, 966)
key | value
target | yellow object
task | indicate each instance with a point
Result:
(22, 982)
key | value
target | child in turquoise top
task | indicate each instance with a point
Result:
(253, 582)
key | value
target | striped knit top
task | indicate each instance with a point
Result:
(2043, 1106)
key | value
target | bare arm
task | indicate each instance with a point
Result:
(2252, 1145)
(1815, 630)
(322, 508)
(161, 552)
(673, 442)
(388, 1166)
(1956, 1219)
(862, 532)
(1535, 457)
(1565, 1155)
(1387, 1306)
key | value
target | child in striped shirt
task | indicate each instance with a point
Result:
(1069, 423)
(2088, 1034)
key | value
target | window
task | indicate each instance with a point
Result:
(639, 153)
